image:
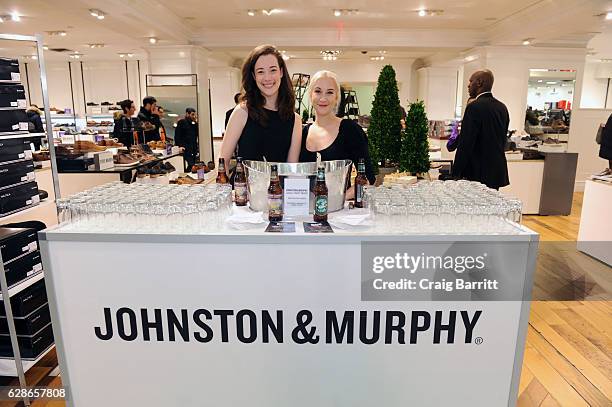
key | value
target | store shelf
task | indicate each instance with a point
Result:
(107, 115)
(4, 136)
(28, 210)
(12, 108)
(17, 288)
(7, 365)
(10, 82)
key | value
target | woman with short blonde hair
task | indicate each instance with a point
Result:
(333, 137)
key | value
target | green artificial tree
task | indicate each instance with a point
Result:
(384, 131)
(414, 156)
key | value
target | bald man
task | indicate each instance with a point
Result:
(480, 148)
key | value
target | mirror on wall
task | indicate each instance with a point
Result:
(550, 99)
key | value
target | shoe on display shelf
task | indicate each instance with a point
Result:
(169, 167)
(604, 173)
(92, 104)
(106, 104)
(125, 160)
(87, 146)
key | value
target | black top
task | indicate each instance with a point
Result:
(124, 130)
(145, 116)
(480, 149)
(605, 149)
(227, 116)
(272, 141)
(351, 143)
(186, 135)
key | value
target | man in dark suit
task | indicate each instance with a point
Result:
(229, 112)
(480, 150)
(186, 136)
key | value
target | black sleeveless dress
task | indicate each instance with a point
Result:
(271, 141)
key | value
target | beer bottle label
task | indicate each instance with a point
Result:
(275, 204)
(240, 189)
(321, 205)
(358, 193)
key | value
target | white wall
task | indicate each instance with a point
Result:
(104, 81)
(585, 123)
(224, 84)
(594, 87)
(438, 89)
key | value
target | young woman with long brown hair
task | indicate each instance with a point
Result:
(264, 124)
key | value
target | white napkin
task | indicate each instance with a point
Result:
(243, 218)
(354, 218)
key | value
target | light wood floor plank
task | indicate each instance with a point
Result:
(552, 380)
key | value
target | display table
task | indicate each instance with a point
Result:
(228, 321)
(72, 182)
(595, 233)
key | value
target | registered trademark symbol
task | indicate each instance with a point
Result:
(478, 340)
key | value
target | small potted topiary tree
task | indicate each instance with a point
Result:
(384, 131)
(414, 153)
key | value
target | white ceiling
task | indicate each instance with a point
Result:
(304, 27)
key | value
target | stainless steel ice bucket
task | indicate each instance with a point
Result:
(336, 174)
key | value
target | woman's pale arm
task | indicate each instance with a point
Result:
(296, 141)
(235, 125)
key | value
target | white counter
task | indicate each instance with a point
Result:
(269, 278)
(595, 234)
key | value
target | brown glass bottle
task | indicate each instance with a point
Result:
(240, 184)
(275, 196)
(360, 181)
(222, 177)
(320, 197)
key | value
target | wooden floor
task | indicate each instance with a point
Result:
(568, 354)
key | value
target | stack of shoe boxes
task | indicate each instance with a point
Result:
(22, 262)
(18, 188)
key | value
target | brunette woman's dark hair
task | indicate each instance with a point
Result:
(255, 101)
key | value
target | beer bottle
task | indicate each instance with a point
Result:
(321, 197)
(360, 181)
(221, 175)
(275, 196)
(240, 185)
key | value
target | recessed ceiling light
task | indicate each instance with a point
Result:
(609, 15)
(251, 13)
(130, 55)
(470, 58)
(527, 41)
(121, 55)
(153, 40)
(540, 81)
(46, 47)
(76, 55)
(57, 33)
(268, 12)
(337, 13)
(378, 58)
(422, 13)
(34, 57)
(551, 83)
(96, 45)
(15, 16)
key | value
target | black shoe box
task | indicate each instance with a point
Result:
(23, 268)
(12, 96)
(30, 346)
(9, 70)
(14, 149)
(15, 242)
(18, 197)
(74, 164)
(13, 120)
(29, 324)
(27, 301)
(16, 173)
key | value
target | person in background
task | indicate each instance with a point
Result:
(149, 120)
(186, 136)
(264, 124)
(158, 114)
(605, 148)
(334, 138)
(34, 118)
(124, 123)
(229, 112)
(480, 149)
